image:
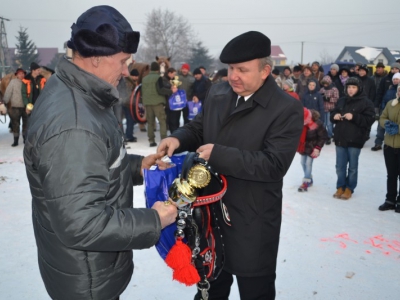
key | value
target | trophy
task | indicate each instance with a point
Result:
(29, 106)
(176, 82)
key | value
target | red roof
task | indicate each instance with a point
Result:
(276, 52)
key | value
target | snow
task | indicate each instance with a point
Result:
(369, 53)
(330, 249)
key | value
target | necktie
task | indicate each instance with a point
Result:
(240, 101)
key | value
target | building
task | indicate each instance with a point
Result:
(278, 56)
(45, 54)
(368, 55)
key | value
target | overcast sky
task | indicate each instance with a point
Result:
(323, 26)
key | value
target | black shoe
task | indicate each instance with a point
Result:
(15, 141)
(143, 129)
(328, 142)
(153, 144)
(132, 140)
(397, 209)
(388, 206)
(376, 148)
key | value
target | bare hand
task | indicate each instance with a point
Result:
(205, 151)
(315, 153)
(28, 112)
(348, 116)
(337, 117)
(168, 145)
(167, 213)
(195, 99)
(150, 160)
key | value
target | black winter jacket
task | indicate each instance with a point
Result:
(353, 133)
(81, 180)
(369, 88)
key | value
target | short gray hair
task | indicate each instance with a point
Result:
(266, 61)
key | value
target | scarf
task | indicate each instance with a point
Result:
(343, 79)
(309, 124)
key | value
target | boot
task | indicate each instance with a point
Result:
(346, 195)
(306, 184)
(386, 206)
(339, 192)
(15, 141)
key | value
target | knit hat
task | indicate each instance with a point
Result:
(134, 72)
(103, 31)
(289, 83)
(34, 66)
(396, 65)
(245, 47)
(335, 67)
(326, 80)
(379, 65)
(397, 75)
(296, 69)
(154, 66)
(363, 67)
(223, 72)
(197, 71)
(185, 66)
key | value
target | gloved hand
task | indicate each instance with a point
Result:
(326, 99)
(315, 153)
(391, 127)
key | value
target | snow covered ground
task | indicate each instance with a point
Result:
(330, 249)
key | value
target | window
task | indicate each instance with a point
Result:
(380, 60)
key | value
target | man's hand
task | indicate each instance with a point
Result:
(150, 160)
(167, 212)
(168, 145)
(205, 151)
(348, 116)
(337, 117)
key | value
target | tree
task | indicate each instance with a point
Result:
(26, 51)
(326, 58)
(54, 61)
(200, 56)
(168, 34)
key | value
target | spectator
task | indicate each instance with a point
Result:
(154, 103)
(380, 73)
(344, 76)
(304, 79)
(286, 74)
(353, 117)
(311, 142)
(390, 120)
(33, 83)
(80, 176)
(316, 72)
(17, 110)
(200, 86)
(275, 73)
(221, 76)
(204, 71)
(334, 75)
(187, 85)
(296, 76)
(369, 88)
(312, 99)
(288, 87)
(384, 86)
(330, 95)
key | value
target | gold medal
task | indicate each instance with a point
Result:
(199, 176)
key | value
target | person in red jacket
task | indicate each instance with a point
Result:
(288, 87)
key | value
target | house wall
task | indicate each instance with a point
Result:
(381, 58)
(346, 57)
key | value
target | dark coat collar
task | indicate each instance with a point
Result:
(100, 91)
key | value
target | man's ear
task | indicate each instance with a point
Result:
(265, 72)
(95, 60)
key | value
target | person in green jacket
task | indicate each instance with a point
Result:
(390, 120)
(154, 103)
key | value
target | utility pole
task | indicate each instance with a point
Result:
(5, 60)
(302, 46)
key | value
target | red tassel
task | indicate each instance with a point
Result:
(187, 275)
(179, 256)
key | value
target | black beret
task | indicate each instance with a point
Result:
(246, 47)
(103, 31)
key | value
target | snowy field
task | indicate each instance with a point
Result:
(330, 249)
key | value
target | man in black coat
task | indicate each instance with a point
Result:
(249, 131)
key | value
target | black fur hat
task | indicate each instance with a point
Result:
(103, 31)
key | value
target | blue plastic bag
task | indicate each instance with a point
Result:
(194, 109)
(157, 183)
(177, 101)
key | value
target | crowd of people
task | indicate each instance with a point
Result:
(247, 122)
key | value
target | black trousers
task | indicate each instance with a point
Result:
(173, 118)
(250, 288)
(392, 162)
